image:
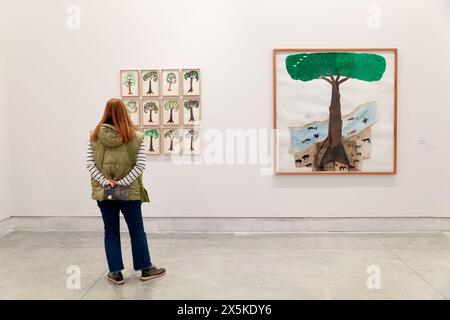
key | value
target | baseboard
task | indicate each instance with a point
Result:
(250, 224)
(5, 226)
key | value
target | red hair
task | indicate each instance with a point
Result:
(116, 114)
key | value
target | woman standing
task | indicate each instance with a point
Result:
(116, 159)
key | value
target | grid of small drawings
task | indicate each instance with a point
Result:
(165, 104)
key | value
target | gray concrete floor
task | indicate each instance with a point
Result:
(33, 265)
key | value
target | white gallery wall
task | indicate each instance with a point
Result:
(5, 165)
(58, 80)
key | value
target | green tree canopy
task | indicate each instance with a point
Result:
(171, 104)
(171, 77)
(150, 106)
(191, 104)
(129, 79)
(151, 76)
(361, 66)
(131, 106)
(193, 74)
(152, 132)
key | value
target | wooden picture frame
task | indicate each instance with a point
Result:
(150, 80)
(192, 140)
(172, 142)
(151, 111)
(171, 112)
(134, 110)
(298, 63)
(170, 88)
(131, 87)
(191, 79)
(153, 140)
(192, 110)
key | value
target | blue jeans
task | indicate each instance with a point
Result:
(131, 210)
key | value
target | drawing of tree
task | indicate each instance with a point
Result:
(131, 106)
(129, 80)
(335, 68)
(171, 79)
(172, 134)
(150, 107)
(190, 105)
(152, 134)
(150, 76)
(192, 135)
(191, 75)
(170, 106)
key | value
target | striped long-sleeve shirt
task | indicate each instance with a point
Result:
(135, 172)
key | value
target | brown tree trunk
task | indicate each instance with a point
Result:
(171, 116)
(151, 145)
(149, 87)
(191, 115)
(150, 118)
(190, 89)
(192, 144)
(170, 86)
(171, 145)
(129, 89)
(335, 151)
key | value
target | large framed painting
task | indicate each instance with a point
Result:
(335, 111)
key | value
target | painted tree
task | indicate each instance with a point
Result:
(335, 68)
(150, 76)
(171, 134)
(131, 106)
(171, 79)
(190, 105)
(171, 105)
(129, 80)
(150, 107)
(192, 135)
(152, 134)
(191, 75)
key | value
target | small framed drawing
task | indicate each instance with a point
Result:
(171, 111)
(191, 108)
(150, 83)
(129, 83)
(172, 140)
(152, 139)
(170, 79)
(133, 107)
(151, 112)
(192, 141)
(191, 82)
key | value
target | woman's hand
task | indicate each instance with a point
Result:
(113, 183)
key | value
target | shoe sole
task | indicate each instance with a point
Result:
(115, 282)
(152, 277)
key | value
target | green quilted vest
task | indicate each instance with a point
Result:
(112, 158)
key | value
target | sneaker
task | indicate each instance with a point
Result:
(116, 277)
(152, 273)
